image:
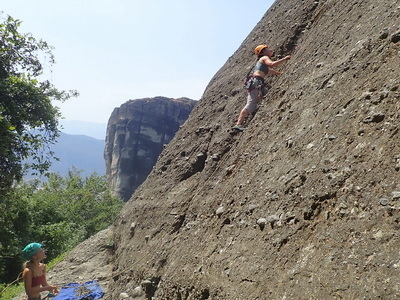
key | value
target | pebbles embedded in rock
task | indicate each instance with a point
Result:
(396, 195)
(132, 228)
(146, 283)
(374, 118)
(261, 223)
(272, 219)
(220, 211)
(331, 137)
(366, 95)
(384, 201)
(395, 37)
(384, 34)
(251, 208)
(123, 296)
(230, 169)
(330, 83)
(138, 291)
(215, 157)
(289, 142)
(309, 146)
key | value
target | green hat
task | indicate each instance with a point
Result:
(31, 250)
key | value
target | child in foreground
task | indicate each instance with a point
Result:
(34, 272)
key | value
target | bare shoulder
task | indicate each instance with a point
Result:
(265, 60)
(26, 272)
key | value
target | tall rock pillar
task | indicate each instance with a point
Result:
(136, 134)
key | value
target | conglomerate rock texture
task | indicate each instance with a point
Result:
(137, 131)
(304, 204)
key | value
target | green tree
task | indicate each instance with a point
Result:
(15, 228)
(59, 213)
(28, 120)
(84, 205)
(28, 126)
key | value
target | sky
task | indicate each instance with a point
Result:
(112, 51)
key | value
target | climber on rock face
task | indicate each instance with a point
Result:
(255, 85)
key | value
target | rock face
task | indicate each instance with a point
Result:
(305, 203)
(136, 134)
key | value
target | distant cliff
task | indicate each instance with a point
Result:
(136, 134)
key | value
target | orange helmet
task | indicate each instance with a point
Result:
(260, 48)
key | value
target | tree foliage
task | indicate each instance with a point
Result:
(59, 213)
(28, 120)
(63, 211)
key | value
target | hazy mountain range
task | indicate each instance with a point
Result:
(94, 130)
(81, 146)
(80, 151)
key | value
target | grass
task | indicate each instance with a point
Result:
(10, 291)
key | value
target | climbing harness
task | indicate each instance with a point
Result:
(251, 82)
(248, 77)
(255, 82)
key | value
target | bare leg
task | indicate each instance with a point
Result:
(243, 114)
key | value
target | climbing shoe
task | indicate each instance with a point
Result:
(238, 127)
